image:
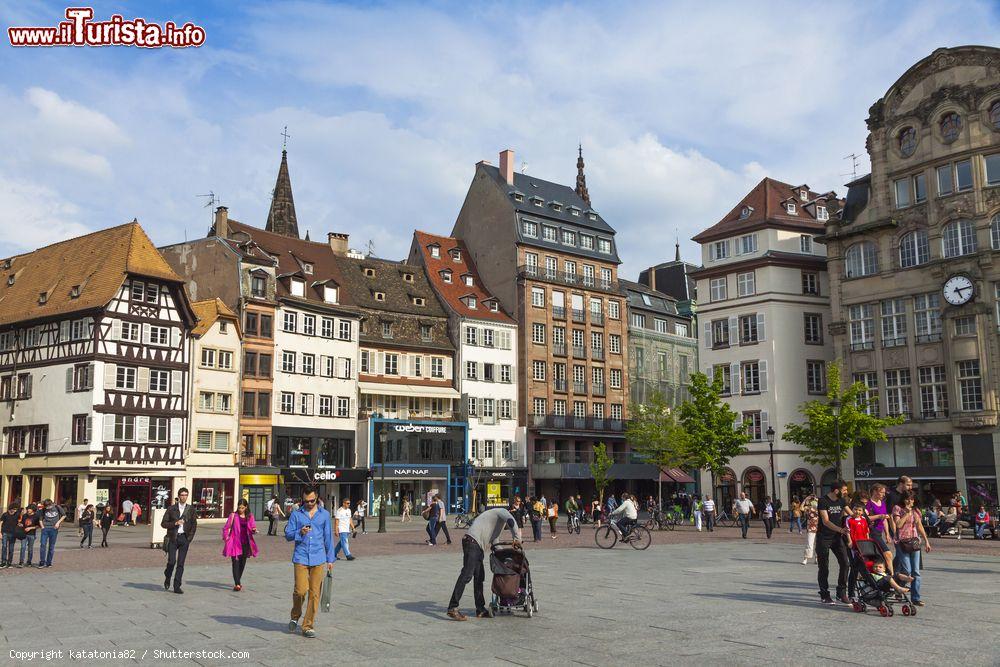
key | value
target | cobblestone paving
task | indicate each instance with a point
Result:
(686, 600)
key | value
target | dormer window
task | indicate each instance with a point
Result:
(387, 330)
(7, 264)
(518, 197)
(592, 216)
(821, 213)
(470, 301)
(10, 280)
(568, 237)
(537, 201)
(435, 251)
(574, 211)
(307, 268)
(43, 297)
(446, 276)
(790, 208)
(804, 195)
(298, 287)
(556, 206)
(258, 286)
(369, 272)
(418, 300)
(456, 255)
(74, 291)
(467, 278)
(549, 233)
(586, 242)
(408, 277)
(329, 294)
(493, 305)
(379, 296)
(745, 213)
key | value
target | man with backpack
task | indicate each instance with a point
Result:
(273, 510)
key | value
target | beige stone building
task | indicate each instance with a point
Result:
(916, 278)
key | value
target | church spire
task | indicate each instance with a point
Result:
(581, 179)
(281, 218)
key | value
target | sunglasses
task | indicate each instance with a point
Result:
(310, 502)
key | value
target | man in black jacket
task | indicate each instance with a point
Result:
(181, 523)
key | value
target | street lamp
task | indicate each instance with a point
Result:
(383, 434)
(770, 446)
(835, 409)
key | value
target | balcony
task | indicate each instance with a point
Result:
(559, 385)
(862, 345)
(579, 387)
(583, 456)
(579, 316)
(577, 423)
(598, 389)
(894, 342)
(447, 416)
(579, 352)
(559, 349)
(251, 460)
(597, 353)
(929, 338)
(563, 278)
(597, 319)
(934, 414)
(559, 312)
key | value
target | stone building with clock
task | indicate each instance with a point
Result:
(914, 266)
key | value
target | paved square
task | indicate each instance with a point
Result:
(728, 602)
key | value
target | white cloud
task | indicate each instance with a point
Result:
(33, 215)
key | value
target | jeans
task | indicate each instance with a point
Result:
(8, 548)
(710, 520)
(177, 551)
(744, 520)
(48, 546)
(442, 525)
(88, 534)
(536, 529)
(768, 525)
(823, 547)
(472, 570)
(28, 541)
(239, 564)
(345, 544)
(431, 528)
(796, 523)
(909, 563)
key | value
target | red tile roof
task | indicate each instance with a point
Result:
(453, 292)
(766, 200)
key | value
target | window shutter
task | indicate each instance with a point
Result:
(89, 383)
(427, 406)
(110, 373)
(480, 370)
(90, 429)
(425, 366)
(143, 379)
(448, 370)
(145, 334)
(109, 428)
(734, 330)
(116, 329)
(69, 379)
(734, 378)
(353, 408)
(64, 331)
(380, 363)
(176, 382)
(760, 327)
(763, 423)
(515, 450)
(176, 428)
(513, 409)
(27, 392)
(707, 328)
(404, 364)
(763, 375)
(322, 365)
(142, 429)
(175, 337)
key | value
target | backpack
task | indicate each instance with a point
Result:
(426, 513)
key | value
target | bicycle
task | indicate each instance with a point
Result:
(574, 524)
(464, 520)
(723, 519)
(660, 521)
(638, 538)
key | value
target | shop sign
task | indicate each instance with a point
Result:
(799, 476)
(413, 472)
(103, 496)
(493, 493)
(862, 472)
(755, 476)
(496, 474)
(135, 481)
(419, 428)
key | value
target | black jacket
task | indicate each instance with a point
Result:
(173, 514)
(8, 524)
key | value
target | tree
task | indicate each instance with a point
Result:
(711, 426)
(599, 469)
(818, 434)
(657, 437)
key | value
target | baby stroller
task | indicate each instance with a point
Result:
(877, 593)
(511, 587)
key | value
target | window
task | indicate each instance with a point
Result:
(750, 328)
(718, 289)
(919, 188)
(933, 392)
(992, 165)
(747, 244)
(306, 404)
(131, 332)
(125, 378)
(289, 321)
(868, 399)
(538, 333)
(753, 424)
(225, 360)
(806, 243)
(946, 180)
(893, 322)
(309, 325)
(387, 330)
(996, 297)
(288, 361)
(965, 326)
(719, 250)
(720, 333)
(505, 373)
(159, 381)
(568, 237)
(81, 429)
(470, 301)
(588, 275)
(258, 286)
(308, 364)
(862, 324)
(958, 238)
(435, 251)
(391, 364)
(159, 429)
(970, 385)
(605, 278)
(907, 141)
(426, 332)
(813, 328)
(586, 242)
(862, 259)
(822, 214)
(124, 428)
(506, 409)
(287, 402)
(963, 175)
(614, 310)
(816, 377)
(810, 283)
(725, 372)
(615, 343)
(538, 297)
(927, 317)
(745, 284)
(897, 392)
(298, 287)
(615, 378)
(325, 406)
(437, 367)
(207, 357)
(950, 125)
(548, 233)
(159, 335)
(470, 370)
(995, 232)
(751, 377)
(604, 246)
(638, 320)
(344, 330)
(995, 115)
(265, 326)
(529, 229)
(538, 370)
(471, 336)
(487, 337)
(914, 249)
(82, 377)
(343, 406)
(902, 187)
(616, 411)
(446, 276)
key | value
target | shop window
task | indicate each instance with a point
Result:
(213, 498)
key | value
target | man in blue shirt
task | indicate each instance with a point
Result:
(311, 529)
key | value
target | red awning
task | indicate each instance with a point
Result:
(676, 475)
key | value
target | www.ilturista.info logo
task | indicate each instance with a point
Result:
(80, 30)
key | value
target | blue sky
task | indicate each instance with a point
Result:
(681, 109)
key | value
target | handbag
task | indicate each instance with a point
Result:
(326, 594)
(911, 544)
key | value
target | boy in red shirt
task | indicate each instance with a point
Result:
(857, 526)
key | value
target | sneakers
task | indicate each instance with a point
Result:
(843, 599)
(292, 625)
(350, 558)
(805, 560)
(826, 600)
(919, 603)
(486, 613)
(166, 584)
(456, 615)
(309, 634)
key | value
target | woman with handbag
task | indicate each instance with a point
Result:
(910, 540)
(239, 544)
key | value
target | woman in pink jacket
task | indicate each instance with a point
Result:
(237, 535)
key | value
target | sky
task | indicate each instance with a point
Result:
(681, 109)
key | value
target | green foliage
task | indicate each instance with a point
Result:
(710, 425)
(599, 468)
(657, 436)
(818, 432)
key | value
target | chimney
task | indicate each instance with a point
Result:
(222, 222)
(338, 243)
(507, 166)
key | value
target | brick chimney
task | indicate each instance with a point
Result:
(338, 243)
(507, 166)
(222, 222)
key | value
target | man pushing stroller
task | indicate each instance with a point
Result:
(484, 531)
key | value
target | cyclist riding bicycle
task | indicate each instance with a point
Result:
(628, 512)
(571, 509)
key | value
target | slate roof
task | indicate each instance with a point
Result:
(672, 278)
(658, 301)
(281, 217)
(97, 264)
(389, 279)
(767, 201)
(452, 293)
(208, 312)
(857, 198)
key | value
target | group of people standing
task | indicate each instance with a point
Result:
(41, 521)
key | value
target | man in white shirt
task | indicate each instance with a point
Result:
(744, 508)
(342, 527)
(79, 512)
(181, 523)
(709, 510)
(629, 513)
(127, 511)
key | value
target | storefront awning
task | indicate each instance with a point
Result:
(407, 390)
(675, 475)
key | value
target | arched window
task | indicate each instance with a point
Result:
(914, 249)
(907, 141)
(959, 238)
(995, 231)
(801, 483)
(951, 126)
(725, 490)
(995, 115)
(862, 260)
(754, 485)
